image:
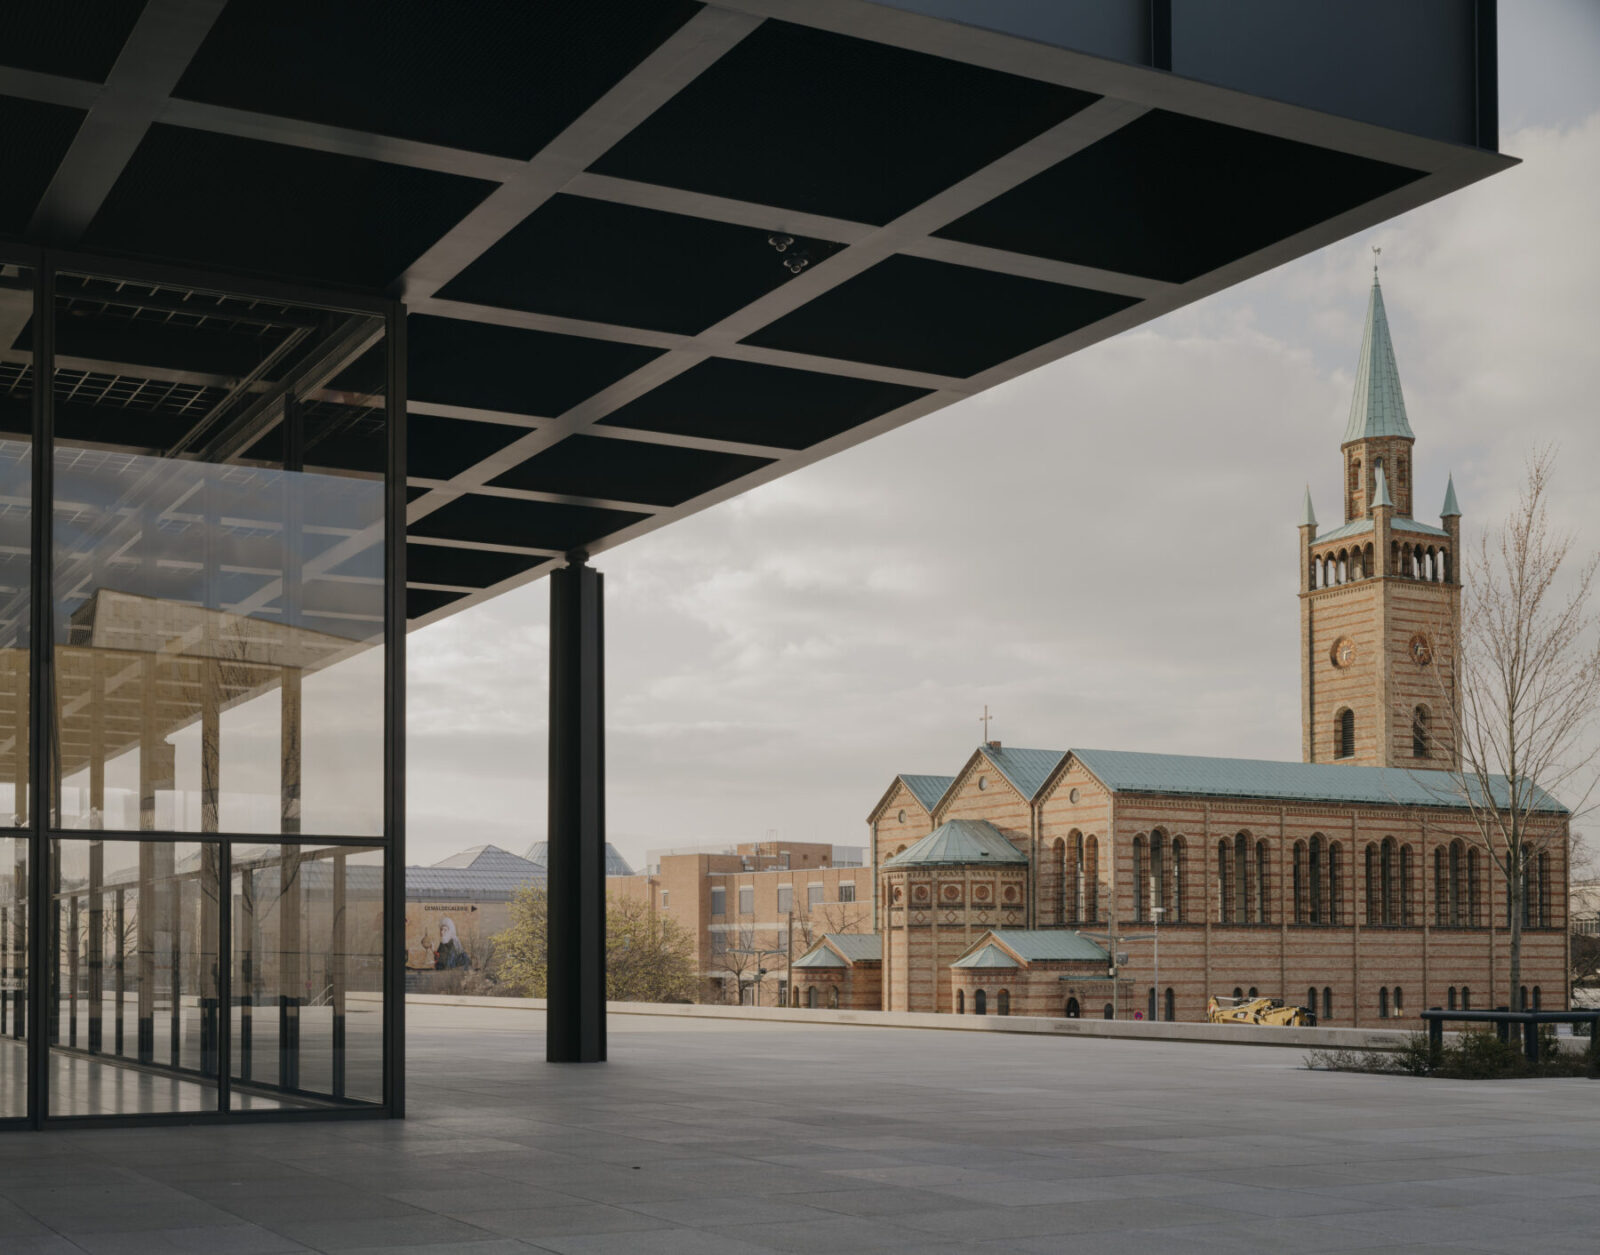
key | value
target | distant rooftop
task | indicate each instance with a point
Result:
(616, 865)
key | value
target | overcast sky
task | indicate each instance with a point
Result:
(1103, 551)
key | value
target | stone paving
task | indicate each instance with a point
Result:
(710, 1137)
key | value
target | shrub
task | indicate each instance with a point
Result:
(1477, 1055)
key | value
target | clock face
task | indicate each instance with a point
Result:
(1421, 650)
(1343, 652)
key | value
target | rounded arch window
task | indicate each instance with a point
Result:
(833, 997)
(1345, 734)
(961, 1002)
(1002, 1002)
(1073, 1010)
(1110, 1012)
(980, 1003)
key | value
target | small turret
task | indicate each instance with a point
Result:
(1380, 490)
(1308, 536)
(1451, 510)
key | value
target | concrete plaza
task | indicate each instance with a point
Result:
(709, 1136)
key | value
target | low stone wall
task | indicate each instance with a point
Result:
(1127, 1030)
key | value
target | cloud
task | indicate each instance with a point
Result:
(1103, 551)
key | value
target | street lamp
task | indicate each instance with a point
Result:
(761, 972)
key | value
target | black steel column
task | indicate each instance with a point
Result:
(575, 1029)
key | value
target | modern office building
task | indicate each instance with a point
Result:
(320, 322)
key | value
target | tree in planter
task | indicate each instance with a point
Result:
(649, 958)
(1526, 694)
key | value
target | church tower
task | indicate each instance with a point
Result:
(1380, 595)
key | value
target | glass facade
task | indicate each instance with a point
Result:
(215, 571)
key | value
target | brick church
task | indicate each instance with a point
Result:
(1108, 883)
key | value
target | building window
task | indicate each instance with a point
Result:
(1327, 1003)
(1344, 741)
(1474, 912)
(1254, 993)
(1150, 1005)
(747, 899)
(1466, 998)
(719, 900)
(666, 898)
(1311, 1000)
(1335, 884)
(1536, 998)
(1224, 882)
(961, 1002)
(1383, 1003)
(833, 997)
(1403, 913)
(1263, 883)
(719, 943)
(980, 1003)
(1241, 876)
(783, 992)
(847, 891)
(1420, 747)
(811, 997)
(1399, 1001)
(1450, 998)
(783, 937)
(1171, 1005)
(1158, 872)
(1002, 1002)
(1238, 994)
(1298, 888)
(1139, 887)
(1091, 875)
(785, 899)
(1179, 880)
(813, 897)
(1522, 999)
(1110, 1012)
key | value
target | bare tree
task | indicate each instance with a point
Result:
(1526, 695)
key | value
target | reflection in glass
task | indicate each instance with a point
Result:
(16, 496)
(13, 976)
(308, 974)
(134, 1013)
(218, 569)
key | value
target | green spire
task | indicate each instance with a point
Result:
(1308, 518)
(1380, 489)
(1378, 408)
(1451, 509)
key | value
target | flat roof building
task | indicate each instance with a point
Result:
(317, 327)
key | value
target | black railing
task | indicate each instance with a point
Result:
(1503, 1019)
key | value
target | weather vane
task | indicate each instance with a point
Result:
(1376, 249)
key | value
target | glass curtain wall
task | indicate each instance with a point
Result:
(217, 702)
(16, 613)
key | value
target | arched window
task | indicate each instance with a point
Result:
(980, 1003)
(1110, 1012)
(1150, 1006)
(1387, 877)
(1450, 998)
(1263, 884)
(1366, 560)
(1158, 872)
(1002, 1002)
(1091, 873)
(1314, 876)
(1383, 1003)
(1403, 913)
(961, 1002)
(833, 997)
(1072, 1009)
(1344, 566)
(1466, 998)
(1344, 736)
(1474, 914)
(1140, 891)
(1171, 1004)
(1374, 886)
(1238, 994)
(1241, 873)
(1522, 999)
(811, 997)
(1399, 1001)
(1444, 564)
(1455, 915)
(1335, 883)
(1180, 853)
(1254, 993)
(1298, 887)
(1327, 1003)
(1052, 899)
(1394, 557)
(1441, 889)
(1224, 882)
(1542, 903)
(1536, 998)
(1311, 1000)
(1421, 745)
(1075, 877)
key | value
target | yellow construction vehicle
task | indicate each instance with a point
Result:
(1258, 1011)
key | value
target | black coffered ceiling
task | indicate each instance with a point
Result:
(654, 251)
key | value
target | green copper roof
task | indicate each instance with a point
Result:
(927, 789)
(1353, 528)
(1380, 489)
(1378, 408)
(989, 956)
(1308, 517)
(960, 841)
(1126, 772)
(1402, 524)
(1036, 945)
(819, 956)
(1359, 527)
(856, 946)
(1451, 509)
(1026, 769)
